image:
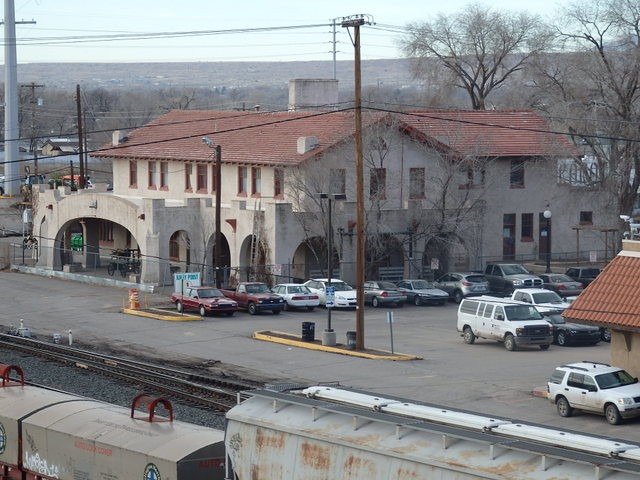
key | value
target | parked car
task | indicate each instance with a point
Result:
(584, 275)
(204, 300)
(562, 284)
(504, 278)
(345, 295)
(296, 295)
(461, 285)
(379, 293)
(565, 333)
(596, 388)
(422, 292)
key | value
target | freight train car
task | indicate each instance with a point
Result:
(46, 434)
(323, 432)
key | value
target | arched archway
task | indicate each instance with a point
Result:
(383, 253)
(310, 260)
(443, 254)
(253, 258)
(179, 251)
(225, 260)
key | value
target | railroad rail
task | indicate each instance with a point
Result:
(213, 392)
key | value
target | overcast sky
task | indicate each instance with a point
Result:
(66, 30)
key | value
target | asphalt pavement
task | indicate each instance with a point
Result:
(484, 377)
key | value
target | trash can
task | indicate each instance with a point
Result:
(351, 340)
(308, 331)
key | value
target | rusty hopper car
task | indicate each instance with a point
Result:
(47, 434)
(324, 432)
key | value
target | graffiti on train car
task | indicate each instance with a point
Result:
(40, 465)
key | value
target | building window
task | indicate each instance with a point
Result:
(242, 180)
(133, 174)
(188, 170)
(152, 174)
(337, 180)
(174, 247)
(586, 218)
(256, 187)
(472, 174)
(164, 175)
(517, 173)
(416, 183)
(201, 178)
(526, 229)
(278, 183)
(378, 183)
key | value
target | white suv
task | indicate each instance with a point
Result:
(597, 388)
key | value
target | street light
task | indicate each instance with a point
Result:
(217, 252)
(329, 335)
(547, 214)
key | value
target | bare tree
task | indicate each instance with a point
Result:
(479, 47)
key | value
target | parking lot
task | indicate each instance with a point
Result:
(483, 377)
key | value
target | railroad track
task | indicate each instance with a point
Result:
(205, 391)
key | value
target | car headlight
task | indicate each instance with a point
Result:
(517, 282)
(625, 401)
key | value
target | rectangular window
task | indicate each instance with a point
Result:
(416, 183)
(164, 175)
(188, 170)
(586, 218)
(337, 180)
(377, 183)
(517, 173)
(242, 181)
(256, 175)
(133, 174)
(278, 183)
(526, 229)
(152, 174)
(201, 178)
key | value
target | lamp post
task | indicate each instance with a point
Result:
(217, 252)
(547, 214)
(329, 335)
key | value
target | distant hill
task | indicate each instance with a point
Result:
(66, 76)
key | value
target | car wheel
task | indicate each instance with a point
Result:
(202, 311)
(111, 269)
(458, 296)
(417, 301)
(544, 347)
(605, 335)
(562, 339)
(468, 335)
(251, 308)
(310, 309)
(286, 306)
(563, 407)
(509, 342)
(277, 312)
(179, 307)
(612, 414)
(230, 314)
(375, 302)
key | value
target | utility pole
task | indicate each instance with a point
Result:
(80, 140)
(356, 21)
(11, 129)
(34, 143)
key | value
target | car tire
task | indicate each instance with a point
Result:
(179, 306)
(509, 342)
(202, 310)
(286, 306)
(562, 339)
(416, 301)
(457, 296)
(375, 303)
(544, 347)
(251, 308)
(468, 335)
(310, 309)
(605, 335)
(277, 312)
(563, 407)
(230, 314)
(612, 414)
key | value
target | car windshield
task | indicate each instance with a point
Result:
(590, 272)
(615, 379)
(514, 269)
(476, 279)
(341, 286)
(555, 319)
(387, 285)
(422, 285)
(522, 312)
(560, 279)
(257, 288)
(547, 297)
(210, 293)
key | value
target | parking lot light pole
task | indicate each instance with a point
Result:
(329, 335)
(547, 214)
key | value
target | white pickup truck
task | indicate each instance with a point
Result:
(546, 301)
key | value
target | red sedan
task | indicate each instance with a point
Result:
(204, 300)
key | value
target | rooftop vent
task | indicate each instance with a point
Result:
(306, 144)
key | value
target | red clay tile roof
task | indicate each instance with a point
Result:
(611, 300)
(271, 138)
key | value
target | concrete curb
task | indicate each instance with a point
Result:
(161, 315)
(289, 339)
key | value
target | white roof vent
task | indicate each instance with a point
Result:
(306, 144)
(118, 137)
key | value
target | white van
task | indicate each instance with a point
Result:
(511, 323)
